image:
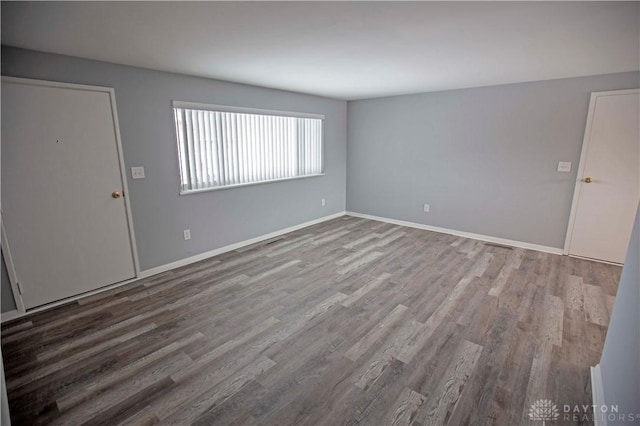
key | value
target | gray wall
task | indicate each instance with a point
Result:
(485, 159)
(620, 361)
(7, 303)
(215, 218)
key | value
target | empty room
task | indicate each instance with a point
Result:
(320, 213)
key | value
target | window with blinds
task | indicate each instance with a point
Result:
(222, 146)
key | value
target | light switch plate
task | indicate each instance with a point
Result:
(564, 166)
(137, 172)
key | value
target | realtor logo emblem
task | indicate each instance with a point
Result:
(545, 410)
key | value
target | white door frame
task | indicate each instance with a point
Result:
(123, 177)
(11, 271)
(583, 158)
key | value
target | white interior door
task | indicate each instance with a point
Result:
(60, 167)
(608, 189)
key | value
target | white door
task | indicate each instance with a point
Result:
(67, 233)
(608, 185)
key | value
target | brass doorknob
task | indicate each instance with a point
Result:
(115, 194)
(588, 180)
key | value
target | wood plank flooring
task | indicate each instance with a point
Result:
(350, 321)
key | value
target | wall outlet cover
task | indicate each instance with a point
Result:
(137, 172)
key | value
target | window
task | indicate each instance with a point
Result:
(227, 146)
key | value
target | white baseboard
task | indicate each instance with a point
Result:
(202, 256)
(149, 272)
(597, 394)
(463, 234)
(7, 316)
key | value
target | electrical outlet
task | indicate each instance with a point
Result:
(137, 172)
(323, 202)
(187, 234)
(426, 208)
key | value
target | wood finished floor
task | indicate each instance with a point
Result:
(347, 322)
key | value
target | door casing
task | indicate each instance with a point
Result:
(583, 161)
(6, 247)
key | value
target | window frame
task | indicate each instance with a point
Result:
(241, 110)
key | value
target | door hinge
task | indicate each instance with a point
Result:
(19, 288)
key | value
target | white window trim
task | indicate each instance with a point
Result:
(239, 185)
(243, 110)
(246, 110)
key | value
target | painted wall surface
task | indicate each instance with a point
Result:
(7, 303)
(485, 159)
(620, 361)
(216, 218)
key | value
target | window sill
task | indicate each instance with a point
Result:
(239, 185)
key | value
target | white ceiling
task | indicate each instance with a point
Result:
(345, 50)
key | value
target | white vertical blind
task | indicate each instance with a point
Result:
(224, 148)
